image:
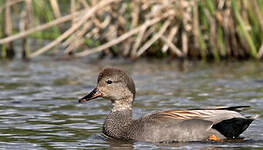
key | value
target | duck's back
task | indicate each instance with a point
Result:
(188, 125)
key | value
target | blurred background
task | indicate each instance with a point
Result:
(203, 29)
(181, 54)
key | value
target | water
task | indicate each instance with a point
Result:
(39, 108)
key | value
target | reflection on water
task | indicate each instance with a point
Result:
(39, 108)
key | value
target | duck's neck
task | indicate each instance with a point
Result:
(118, 121)
(121, 105)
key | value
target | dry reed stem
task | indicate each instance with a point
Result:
(26, 22)
(185, 43)
(196, 27)
(23, 27)
(173, 48)
(111, 34)
(40, 28)
(122, 37)
(154, 38)
(212, 32)
(127, 47)
(8, 21)
(106, 22)
(73, 8)
(221, 4)
(55, 8)
(149, 32)
(97, 22)
(93, 33)
(29, 14)
(138, 41)
(244, 8)
(170, 38)
(73, 47)
(76, 40)
(23, 20)
(135, 13)
(217, 33)
(226, 19)
(9, 50)
(260, 52)
(75, 37)
(73, 28)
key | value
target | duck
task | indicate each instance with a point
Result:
(201, 124)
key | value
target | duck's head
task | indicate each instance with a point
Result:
(115, 85)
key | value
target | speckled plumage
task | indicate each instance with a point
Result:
(165, 126)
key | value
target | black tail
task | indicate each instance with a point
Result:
(232, 128)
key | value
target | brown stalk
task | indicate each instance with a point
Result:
(226, 27)
(138, 41)
(8, 30)
(195, 24)
(55, 8)
(212, 35)
(76, 40)
(260, 52)
(135, 13)
(26, 22)
(149, 32)
(39, 28)
(73, 8)
(154, 38)
(170, 38)
(73, 28)
(121, 38)
(184, 43)
(173, 48)
(8, 21)
(75, 37)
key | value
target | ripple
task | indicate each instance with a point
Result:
(81, 126)
(39, 108)
(20, 145)
(38, 127)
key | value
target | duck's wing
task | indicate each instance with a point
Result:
(210, 115)
(227, 120)
(214, 114)
(233, 108)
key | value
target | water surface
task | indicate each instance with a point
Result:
(39, 108)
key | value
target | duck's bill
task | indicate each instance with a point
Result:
(92, 95)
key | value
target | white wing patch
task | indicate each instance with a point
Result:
(210, 115)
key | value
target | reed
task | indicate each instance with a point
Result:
(204, 29)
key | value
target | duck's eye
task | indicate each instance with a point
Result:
(109, 82)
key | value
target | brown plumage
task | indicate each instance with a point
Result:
(210, 123)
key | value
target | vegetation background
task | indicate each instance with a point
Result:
(202, 29)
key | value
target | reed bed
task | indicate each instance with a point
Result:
(202, 29)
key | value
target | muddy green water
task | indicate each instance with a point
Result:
(39, 108)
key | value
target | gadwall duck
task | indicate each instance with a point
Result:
(214, 124)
